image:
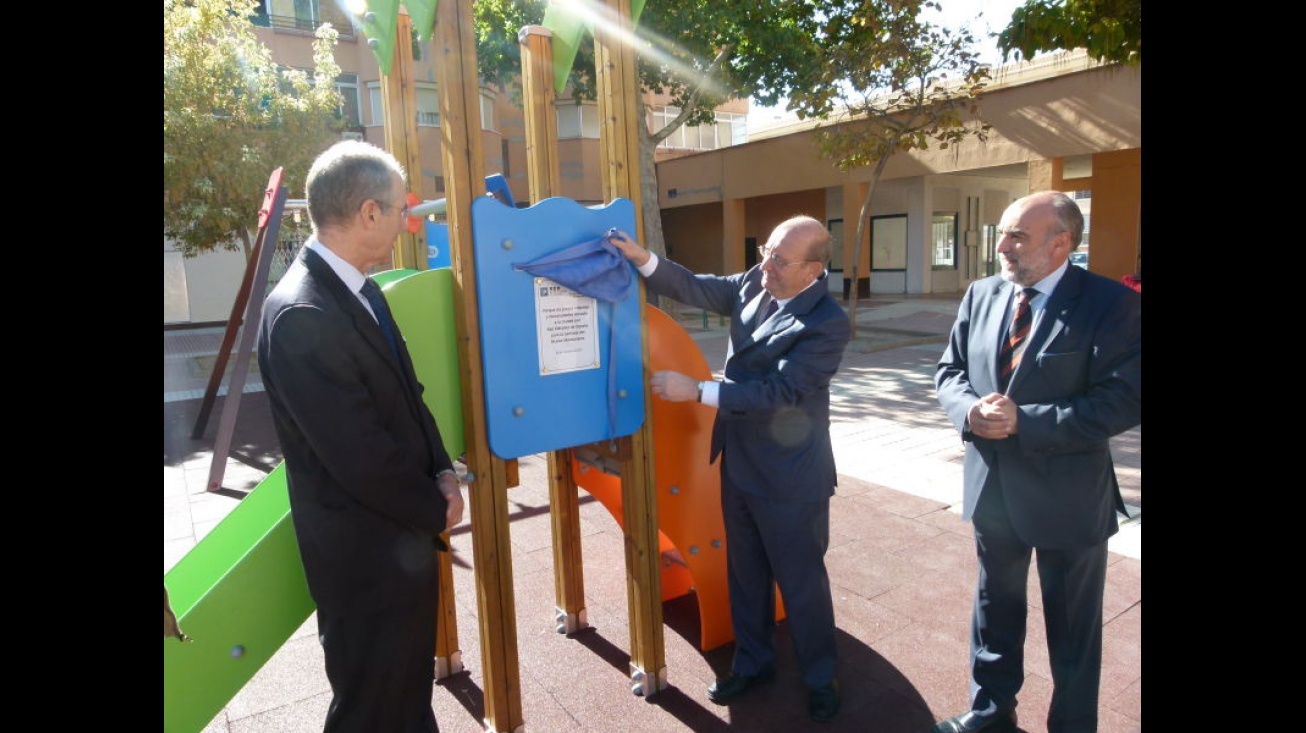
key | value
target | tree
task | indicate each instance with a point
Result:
(1110, 30)
(701, 54)
(887, 82)
(231, 117)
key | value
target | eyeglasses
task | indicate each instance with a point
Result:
(403, 210)
(766, 254)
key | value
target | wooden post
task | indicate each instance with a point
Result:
(619, 140)
(399, 107)
(399, 110)
(543, 180)
(487, 479)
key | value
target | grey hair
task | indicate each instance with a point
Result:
(344, 176)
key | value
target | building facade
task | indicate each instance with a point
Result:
(1061, 122)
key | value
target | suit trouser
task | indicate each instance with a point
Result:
(1072, 584)
(770, 542)
(381, 666)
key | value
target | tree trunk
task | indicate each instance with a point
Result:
(246, 246)
(862, 218)
(653, 238)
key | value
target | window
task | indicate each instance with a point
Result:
(428, 104)
(729, 129)
(577, 120)
(261, 16)
(989, 243)
(421, 49)
(350, 113)
(943, 237)
(889, 242)
(374, 108)
(836, 244)
(303, 16)
(306, 16)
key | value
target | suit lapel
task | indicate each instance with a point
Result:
(352, 307)
(1050, 323)
(783, 318)
(991, 329)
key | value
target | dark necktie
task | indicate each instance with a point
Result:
(771, 307)
(1017, 335)
(372, 292)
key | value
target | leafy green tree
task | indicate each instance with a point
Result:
(887, 82)
(1110, 30)
(231, 117)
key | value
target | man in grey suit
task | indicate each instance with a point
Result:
(371, 484)
(1038, 474)
(772, 434)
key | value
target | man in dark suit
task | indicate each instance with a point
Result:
(371, 484)
(772, 433)
(1038, 474)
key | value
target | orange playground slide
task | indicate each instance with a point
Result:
(691, 533)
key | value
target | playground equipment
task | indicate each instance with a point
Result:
(389, 35)
(241, 593)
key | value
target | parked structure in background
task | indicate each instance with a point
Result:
(1061, 122)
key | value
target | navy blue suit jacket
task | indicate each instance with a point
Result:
(361, 448)
(773, 416)
(1078, 384)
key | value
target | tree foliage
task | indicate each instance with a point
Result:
(700, 54)
(888, 82)
(231, 117)
(1110, 30)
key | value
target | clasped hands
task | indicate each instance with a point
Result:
(993, 416)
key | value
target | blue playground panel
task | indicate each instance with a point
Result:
(437, 246)
(528, 412)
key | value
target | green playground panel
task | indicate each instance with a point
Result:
(240, 592)
(422, 304)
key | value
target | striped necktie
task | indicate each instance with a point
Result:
(1017, 335)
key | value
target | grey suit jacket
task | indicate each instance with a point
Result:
(1078, 384)
(773, 419)
(361, 448)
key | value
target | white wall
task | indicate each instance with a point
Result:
(200, 289)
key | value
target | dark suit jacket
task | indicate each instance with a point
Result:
(774, 411)
(1078, 384)
(361, 448)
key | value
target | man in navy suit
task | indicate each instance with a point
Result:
(371, 484)
(1038, 475)
(772, 433)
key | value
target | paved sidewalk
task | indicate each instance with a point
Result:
(901, 561)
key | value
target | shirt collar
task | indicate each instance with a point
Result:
(348, 274)
(1044, 286)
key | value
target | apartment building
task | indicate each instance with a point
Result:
(1062, 122)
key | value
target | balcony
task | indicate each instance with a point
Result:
(306, 26)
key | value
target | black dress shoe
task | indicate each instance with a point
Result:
(823, 702)
(724, 690)
(1001, 721)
